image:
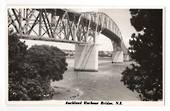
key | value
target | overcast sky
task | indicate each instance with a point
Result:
(121, 18)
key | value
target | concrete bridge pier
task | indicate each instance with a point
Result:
(86, 57)
(117, 56)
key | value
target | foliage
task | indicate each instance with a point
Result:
(145, 76)
(30, 70)
(50, 59)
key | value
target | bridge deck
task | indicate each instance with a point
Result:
(69, 26)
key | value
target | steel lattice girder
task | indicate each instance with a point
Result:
(63, 25)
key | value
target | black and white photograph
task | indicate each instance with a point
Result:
(83, 55)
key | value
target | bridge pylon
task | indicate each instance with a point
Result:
(117, 54)
(86, 57)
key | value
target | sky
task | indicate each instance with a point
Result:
(120, 16)
(122, 19)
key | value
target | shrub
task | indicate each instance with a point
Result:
(146, 50)
(30, 70)
(49, 61)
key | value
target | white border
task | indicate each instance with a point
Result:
(58, 102)
(79, 3)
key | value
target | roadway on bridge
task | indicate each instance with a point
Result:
(102, 85)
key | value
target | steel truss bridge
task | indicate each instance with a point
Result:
(63, 25)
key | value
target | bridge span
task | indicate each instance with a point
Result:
(64, 25)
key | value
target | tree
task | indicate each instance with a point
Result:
(30, 70)
(50, 59)
(145, 49)
(49, 62)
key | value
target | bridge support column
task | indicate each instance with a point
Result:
(86, 57)
(117, 56)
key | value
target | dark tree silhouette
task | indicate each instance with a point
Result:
(30, 70)
(145, 76)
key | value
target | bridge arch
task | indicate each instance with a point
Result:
(63, 25)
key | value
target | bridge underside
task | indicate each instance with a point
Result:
(63, 25)
(86, 56)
